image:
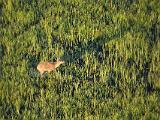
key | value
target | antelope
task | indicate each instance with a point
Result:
(48, 66)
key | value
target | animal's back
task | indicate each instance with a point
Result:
(45, 66)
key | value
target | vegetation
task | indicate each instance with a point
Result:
(111, 51)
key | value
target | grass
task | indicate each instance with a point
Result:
(111, 51)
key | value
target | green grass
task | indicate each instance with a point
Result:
(111, 51)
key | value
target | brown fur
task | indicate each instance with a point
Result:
(48, 66)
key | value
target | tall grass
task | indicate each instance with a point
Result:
(111, 53)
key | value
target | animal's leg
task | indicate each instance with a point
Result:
(41, 72)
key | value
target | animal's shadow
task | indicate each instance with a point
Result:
(73, 54)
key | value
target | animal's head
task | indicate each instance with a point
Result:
(58, 63)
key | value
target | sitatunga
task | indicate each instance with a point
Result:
(48, 66)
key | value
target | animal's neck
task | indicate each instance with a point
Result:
(57, 64)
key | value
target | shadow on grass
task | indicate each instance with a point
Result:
(74, 53)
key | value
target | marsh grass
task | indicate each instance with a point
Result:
(111, 53)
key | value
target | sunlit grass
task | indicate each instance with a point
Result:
(111, 53)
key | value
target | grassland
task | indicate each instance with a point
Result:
(111, 51)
